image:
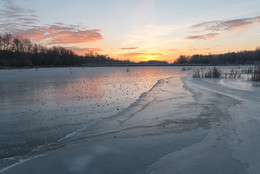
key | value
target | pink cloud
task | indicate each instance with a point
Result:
(218, 27)
(55, 34)
(25, 23)
(32, 34)
(69, 37)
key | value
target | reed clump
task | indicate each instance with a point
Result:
(248, 70)
(210, 73)
(256, 73)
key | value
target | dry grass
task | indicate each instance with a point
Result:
(233, 74)
(196, 73)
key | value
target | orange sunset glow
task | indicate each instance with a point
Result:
(138, 31)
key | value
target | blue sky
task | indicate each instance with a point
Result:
(137, 29)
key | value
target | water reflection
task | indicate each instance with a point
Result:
(88, 85)
(49, 104)
(75, 90)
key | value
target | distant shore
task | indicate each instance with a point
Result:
(119, 65)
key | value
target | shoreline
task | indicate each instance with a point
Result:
(122, 65)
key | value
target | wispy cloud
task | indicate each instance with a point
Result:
(24, 22)
(191, 48)
(228, 25)
(140, 54)
(13, 17)
(203, 36)
(218, 27)
(82, 51)
(129, 48)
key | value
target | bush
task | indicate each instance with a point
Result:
(211, 73)
(256, 73)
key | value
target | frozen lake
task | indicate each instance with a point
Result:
(41, 106)
(109, 120)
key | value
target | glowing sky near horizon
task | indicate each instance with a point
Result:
(138, 30)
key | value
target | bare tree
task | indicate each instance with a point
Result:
(1, 42)
(27, 45)
(7, 41)
(16, 44)
(35, 49)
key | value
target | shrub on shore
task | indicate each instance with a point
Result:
(215, 73)
(211, 73)
(256, 73)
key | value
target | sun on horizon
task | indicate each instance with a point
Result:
(136, 30)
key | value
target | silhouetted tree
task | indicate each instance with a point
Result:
(6, 41)
(16, 44)
(242, 57)
(182, 59)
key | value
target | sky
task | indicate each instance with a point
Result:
(136, 30)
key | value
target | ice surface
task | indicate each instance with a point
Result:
(158, 120)
(49, 106)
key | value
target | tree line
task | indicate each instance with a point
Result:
(22, 52)
(232, 58)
